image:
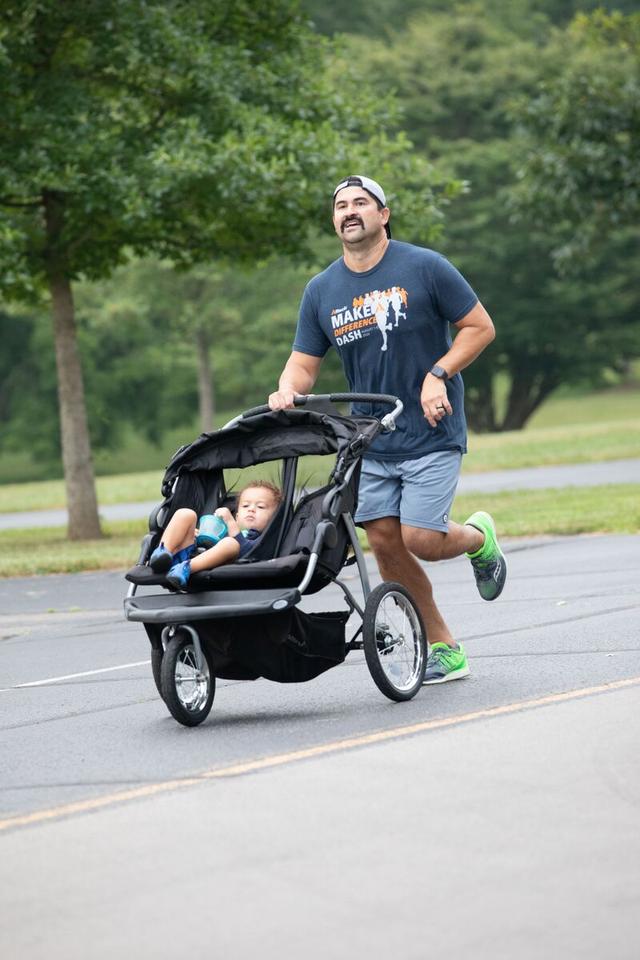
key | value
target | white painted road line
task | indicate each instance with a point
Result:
(75, 676)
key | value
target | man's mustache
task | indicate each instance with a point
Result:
(348, 220)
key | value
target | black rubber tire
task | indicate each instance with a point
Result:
(180, 651)
(157, 654)
(373, 652)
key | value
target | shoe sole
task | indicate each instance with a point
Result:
(162, 564)
(176, 584)
(454, 675)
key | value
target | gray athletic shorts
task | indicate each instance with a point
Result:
(420, 492)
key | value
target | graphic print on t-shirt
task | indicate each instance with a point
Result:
(378, 310)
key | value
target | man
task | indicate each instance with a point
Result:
(409, 476)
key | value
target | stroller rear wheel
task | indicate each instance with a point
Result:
(394, 641)
(187, 691)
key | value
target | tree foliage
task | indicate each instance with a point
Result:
(384, 19)
(212, 133)
(464, 79)
(581, 170)
(186, 129)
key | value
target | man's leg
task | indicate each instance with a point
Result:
(428, 489)
(434, 545)
(447, 660)
(427, 492)
(476, 539)
(395, 562)
(404, 508)
(396, 547)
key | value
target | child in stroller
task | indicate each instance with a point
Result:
(177, 553)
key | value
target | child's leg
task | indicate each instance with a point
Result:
(226, 551)
(181, 530)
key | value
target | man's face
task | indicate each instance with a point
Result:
(357, 217)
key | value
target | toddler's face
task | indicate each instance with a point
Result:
(255, 508)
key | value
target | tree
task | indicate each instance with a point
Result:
(187, 129)
(22, 376)
(385, 19)
(185, 316)
(461, 80)
(246, 317)
(581, 149)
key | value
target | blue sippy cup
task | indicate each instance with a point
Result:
(211, 529)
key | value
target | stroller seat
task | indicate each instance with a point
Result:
(285, 570)
(280, 572)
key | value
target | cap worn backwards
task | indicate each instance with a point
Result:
(370, 186)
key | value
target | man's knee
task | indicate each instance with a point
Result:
(422, 543)
(384, 536)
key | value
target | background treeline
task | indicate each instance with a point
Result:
(527, 115)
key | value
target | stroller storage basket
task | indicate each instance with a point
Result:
(289, 647)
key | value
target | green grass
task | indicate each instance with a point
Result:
(37, 551)
(605, 509)
(619, 403)
(545, 446)
(613, 508)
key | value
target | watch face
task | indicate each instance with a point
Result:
(438, 371)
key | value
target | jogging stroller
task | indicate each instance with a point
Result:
(242, 621)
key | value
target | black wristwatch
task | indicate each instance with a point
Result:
(439, 372)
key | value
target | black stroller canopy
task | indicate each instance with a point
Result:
(273, 436)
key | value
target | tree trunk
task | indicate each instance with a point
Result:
(480, 407)
(526, 394)
(82, 504)
(205, 381)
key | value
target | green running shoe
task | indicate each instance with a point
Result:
(446, 663)
(489, 564)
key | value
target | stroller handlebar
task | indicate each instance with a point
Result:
(388, 421)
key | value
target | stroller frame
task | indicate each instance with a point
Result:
(391, 630)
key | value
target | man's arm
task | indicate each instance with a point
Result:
(298, 377)
(476, 331)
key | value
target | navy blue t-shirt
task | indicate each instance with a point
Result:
(247, 539)
(390, 325)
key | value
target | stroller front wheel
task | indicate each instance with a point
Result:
(156, 667)
(187, 691)
(394, 641)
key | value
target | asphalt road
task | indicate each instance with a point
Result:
(493, 817)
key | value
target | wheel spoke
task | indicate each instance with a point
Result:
(192, 685)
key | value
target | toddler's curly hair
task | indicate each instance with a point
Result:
(263, 484)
